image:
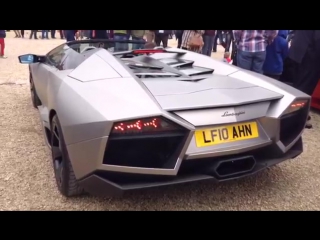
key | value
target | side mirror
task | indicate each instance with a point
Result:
(31, 58)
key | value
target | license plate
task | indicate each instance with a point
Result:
(225, 134)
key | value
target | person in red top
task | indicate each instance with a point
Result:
(208, 39)
(2, 44)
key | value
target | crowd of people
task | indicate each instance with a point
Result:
(267, 52)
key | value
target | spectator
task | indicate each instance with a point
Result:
(234, 51)
(215, 41)
(22, 33)
(98, 34)
(187, 36)
(17, 32)
(226, 43)
(251, 48)
(178, 34)
(70, 35)
(2, 44)
(34, 34)
(44, 34)
(304, 54)
(208, 39)
(162, 36)
(121, 35)
(150, 36)
(53, 34)
(276, 53)
(61, 32)
(138, 35)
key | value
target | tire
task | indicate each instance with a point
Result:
(34, 96)
(66, 180)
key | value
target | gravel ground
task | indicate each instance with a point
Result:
(26, 175)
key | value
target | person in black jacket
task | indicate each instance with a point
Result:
(162, 36)
(304, 56)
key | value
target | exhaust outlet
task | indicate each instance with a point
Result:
(235, 166)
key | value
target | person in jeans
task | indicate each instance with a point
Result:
(44, 34)
(137, 35)
(2, 44)
(162, 36)
(22, 33)
(71, 35)
(276, 53)
(208, 39)
(251, 48)
(34, 34)
(99, 34)
(121, 35)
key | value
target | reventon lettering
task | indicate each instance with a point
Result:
(227, 114)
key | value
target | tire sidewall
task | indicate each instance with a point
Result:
(63, 188)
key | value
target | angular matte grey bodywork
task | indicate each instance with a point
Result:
(103, 90)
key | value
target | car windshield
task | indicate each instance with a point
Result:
(108, 44)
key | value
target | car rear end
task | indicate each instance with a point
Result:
(201, 140)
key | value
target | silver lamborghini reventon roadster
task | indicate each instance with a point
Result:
(117, 117)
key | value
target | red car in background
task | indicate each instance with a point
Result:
(315, 102)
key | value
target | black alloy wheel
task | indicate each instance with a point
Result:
(65, 178)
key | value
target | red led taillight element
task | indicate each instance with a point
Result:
(147, 125)
(298, 104)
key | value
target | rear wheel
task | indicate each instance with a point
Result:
(65, 178)
(34, 96)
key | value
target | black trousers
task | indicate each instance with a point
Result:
(53, 33)
(61, 32)
(307, 75)
(161, 38)
(34, 33)
(22, 33)
(179, 41)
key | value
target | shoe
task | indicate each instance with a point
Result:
(308, 125)
(4, 57)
